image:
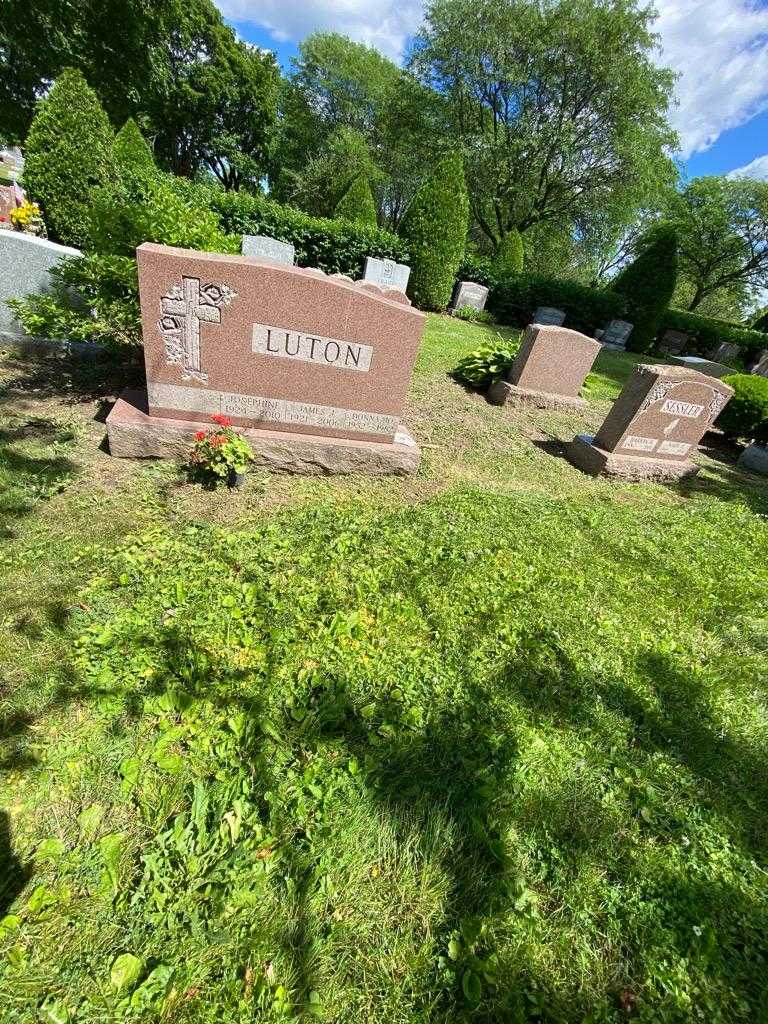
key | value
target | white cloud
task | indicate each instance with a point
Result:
(385, 24)
(757, 169)
(720, 49)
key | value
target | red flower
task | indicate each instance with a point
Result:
(219, 439)
(223, 421)
(200, 435)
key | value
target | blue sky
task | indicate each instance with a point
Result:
(718, 47)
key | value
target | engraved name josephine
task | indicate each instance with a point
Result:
(311, 348)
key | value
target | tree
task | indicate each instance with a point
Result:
(435, 229)
(722, 230)
(68, 155)
(357, 203)
(558, 105)
(649, 284)
(509, 258)
(326, 177)
(131, 151)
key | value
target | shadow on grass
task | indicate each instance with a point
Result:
(26, 478)
(72, 382)
(13, 874)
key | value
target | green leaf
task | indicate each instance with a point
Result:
(454, 949)
(125, 972)
(111, 849)
(472, 987)
(50, 849)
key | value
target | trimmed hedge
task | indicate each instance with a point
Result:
(515, 300)
(746, 415)
(509, 258)
(707, 332)
(479, 269)
(435, 229)
(335, 246)
(649, 284)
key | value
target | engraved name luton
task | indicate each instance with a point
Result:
(311, 348)
(183, 310)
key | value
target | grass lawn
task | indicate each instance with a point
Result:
(488, 745)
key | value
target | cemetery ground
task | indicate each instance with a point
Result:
(487, 744)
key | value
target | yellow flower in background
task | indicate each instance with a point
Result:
(25, 214)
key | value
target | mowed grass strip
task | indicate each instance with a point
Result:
(489, 745)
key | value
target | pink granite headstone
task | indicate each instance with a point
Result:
(274, 347)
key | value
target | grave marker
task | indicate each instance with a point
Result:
(616, 334)
(549, 315)
(386, 273)
(549, 369)
(468, 293)
(656, 422)
(269, 249)
(307, 363)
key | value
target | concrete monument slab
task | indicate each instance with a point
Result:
(707, 366)
(616, 334)
(386, 273)
(25, 265)
(655, 424)
(280, 349)
(549, 315)
(549, 369)
(468, 293)
(673, 342)
(269, 249)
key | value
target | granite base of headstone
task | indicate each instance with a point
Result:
(549, 316)
(386, 273)
(755, 459)
(468, 293)
(707, 366)
(655, 424)
(314, 368)
(549, 369)
(269, 249)
(615, 335)
(25, 265)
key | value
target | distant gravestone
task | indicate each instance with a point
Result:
(386, 273)
(468, 293)
(616, 334)
(761, 364)
(673, 342)
(314, 368)
(660, 416)
(269, 248)
(25, 265)
(548, 315)
(707, 366)
(549, 369)
(755, 458)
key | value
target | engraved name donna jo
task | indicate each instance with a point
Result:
(311, 348)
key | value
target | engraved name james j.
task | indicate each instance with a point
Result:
(311, 348)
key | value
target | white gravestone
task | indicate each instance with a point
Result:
(269, 248)
(25, 262)
(386, 273)
(468, 293)
(548, 315)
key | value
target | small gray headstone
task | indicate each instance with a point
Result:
(468, 293)
(549, 315)
(616, 333)
(386, 273)
(755, 458)
(673, 342)
(25, 261)
(761, 366)
(269, 248)
(724, 352)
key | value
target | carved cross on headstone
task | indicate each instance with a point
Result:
(183, 310)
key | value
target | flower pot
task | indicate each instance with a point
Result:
(235, 479)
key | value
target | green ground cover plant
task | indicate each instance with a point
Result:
(485, 745)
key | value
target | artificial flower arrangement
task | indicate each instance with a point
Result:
(27, 217)
(220, 453)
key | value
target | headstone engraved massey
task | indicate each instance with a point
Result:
(549, 369)
(386, 273)
(657, 421)
(269, 248)
(616, 334)
(468, 293)
(315, 368)
(549, 315)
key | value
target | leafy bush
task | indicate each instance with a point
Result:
(335, 246)
(131, 150)
(707, 333)
(68, 153)
(357, 205)
(473, 316)
(746, 415)
(435, 229)
(509, 259)
(649, 284)
(479, 269)
(94, 298)
(514, 301)
(219, 453)
(485, 365)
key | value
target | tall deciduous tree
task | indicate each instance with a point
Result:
(722, 231)
(558, 104)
